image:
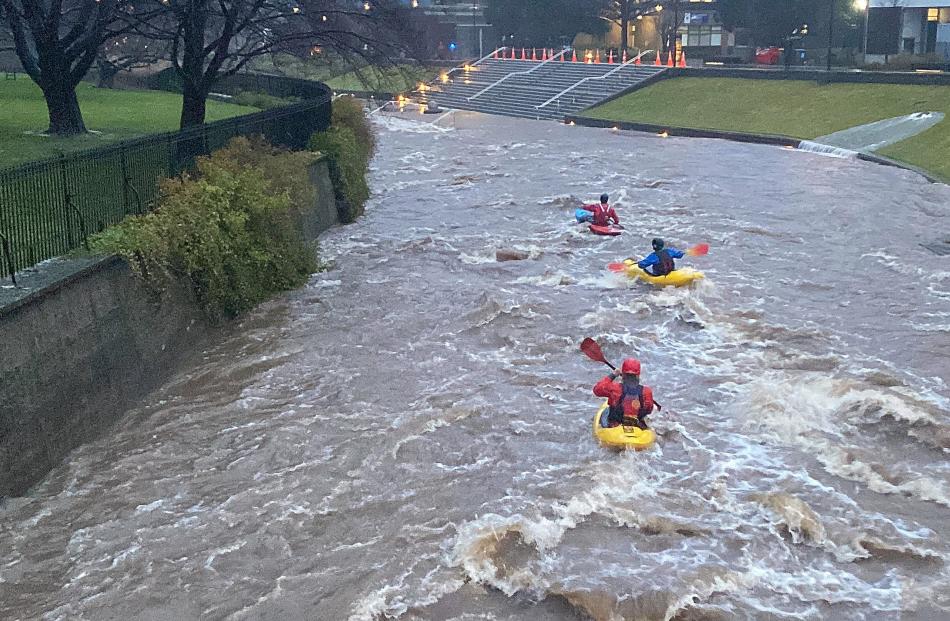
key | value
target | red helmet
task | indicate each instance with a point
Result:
(630, 365)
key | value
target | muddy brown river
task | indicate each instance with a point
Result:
(408, 436)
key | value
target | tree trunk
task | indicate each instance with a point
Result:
(624, 24)
(107, 73)
(65, 117)
(193, 105)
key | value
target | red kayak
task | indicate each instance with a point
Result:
(604, 230)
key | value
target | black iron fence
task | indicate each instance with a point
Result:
(51, 207)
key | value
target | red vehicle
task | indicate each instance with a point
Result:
(768, 55)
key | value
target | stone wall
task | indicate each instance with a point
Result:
(77, 353)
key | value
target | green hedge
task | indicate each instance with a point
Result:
(350, 144)
(263, 101)
(230, 232)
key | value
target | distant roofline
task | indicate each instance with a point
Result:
(910, 4)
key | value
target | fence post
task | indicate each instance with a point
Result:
(67, 202)
(204, 139)
(8, 255)
(125, 181)
(172, 156)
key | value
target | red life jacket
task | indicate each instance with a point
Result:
(600, 214)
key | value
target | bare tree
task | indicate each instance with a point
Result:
(212, 39)
(124, 53)
(625, 11)
(57, 41)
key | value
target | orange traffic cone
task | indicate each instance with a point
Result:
(624, 58)
(524, 55)
(494, 55)
(669, 58)
(573, 56)
(544, 53)
(534, 54)
(597, 57)
(610, 57)
(512, 53)
(658, 62)
(563, 56)
(682, 62)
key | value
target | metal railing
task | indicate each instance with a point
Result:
(597, 77)
(50, 207)
(433, 81)
(509, 75)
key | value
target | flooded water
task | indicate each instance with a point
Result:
(409, 435)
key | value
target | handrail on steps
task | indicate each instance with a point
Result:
(477, 62)
(459, 68)
(598, 77)
(508, 75)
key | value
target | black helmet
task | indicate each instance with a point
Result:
(657, 243)
(604, 198)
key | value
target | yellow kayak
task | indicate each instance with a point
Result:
(677, 278)
(621, 437)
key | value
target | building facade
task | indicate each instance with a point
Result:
(454, 28)
(907, 27)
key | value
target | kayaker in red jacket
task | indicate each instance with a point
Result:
(603, 213)
(629, 401)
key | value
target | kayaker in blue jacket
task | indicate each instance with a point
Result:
(660, 261)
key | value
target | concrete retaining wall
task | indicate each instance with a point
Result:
(783, 141)
(77, 353)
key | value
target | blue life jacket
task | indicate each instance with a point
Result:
(617, 412)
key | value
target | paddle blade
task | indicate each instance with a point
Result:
(698, 250)
(617, 267)
(590, 347)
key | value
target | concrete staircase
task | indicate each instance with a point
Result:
(524, 94)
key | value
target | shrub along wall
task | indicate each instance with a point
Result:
(231, 232)
(350, 144)
(237, 232)
(82, 351)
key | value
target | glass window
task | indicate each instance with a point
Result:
(933, 15)
(700, 35)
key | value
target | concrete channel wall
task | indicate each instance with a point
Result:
(78, 352)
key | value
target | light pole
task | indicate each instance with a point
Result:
(831, 31)
(866, 6)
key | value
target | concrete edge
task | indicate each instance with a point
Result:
(886, 161)
(53, 287)
(653, 79)
(686, 132)
(365, 94)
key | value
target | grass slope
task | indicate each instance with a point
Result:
(114, 114)
(793, 108)
(388, 80)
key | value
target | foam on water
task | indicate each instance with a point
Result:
(409, 436)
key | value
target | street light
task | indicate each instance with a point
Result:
(831, 31)
(864, 5)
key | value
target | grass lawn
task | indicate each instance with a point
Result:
(115, 114)
(793, 108)
(389, 79)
